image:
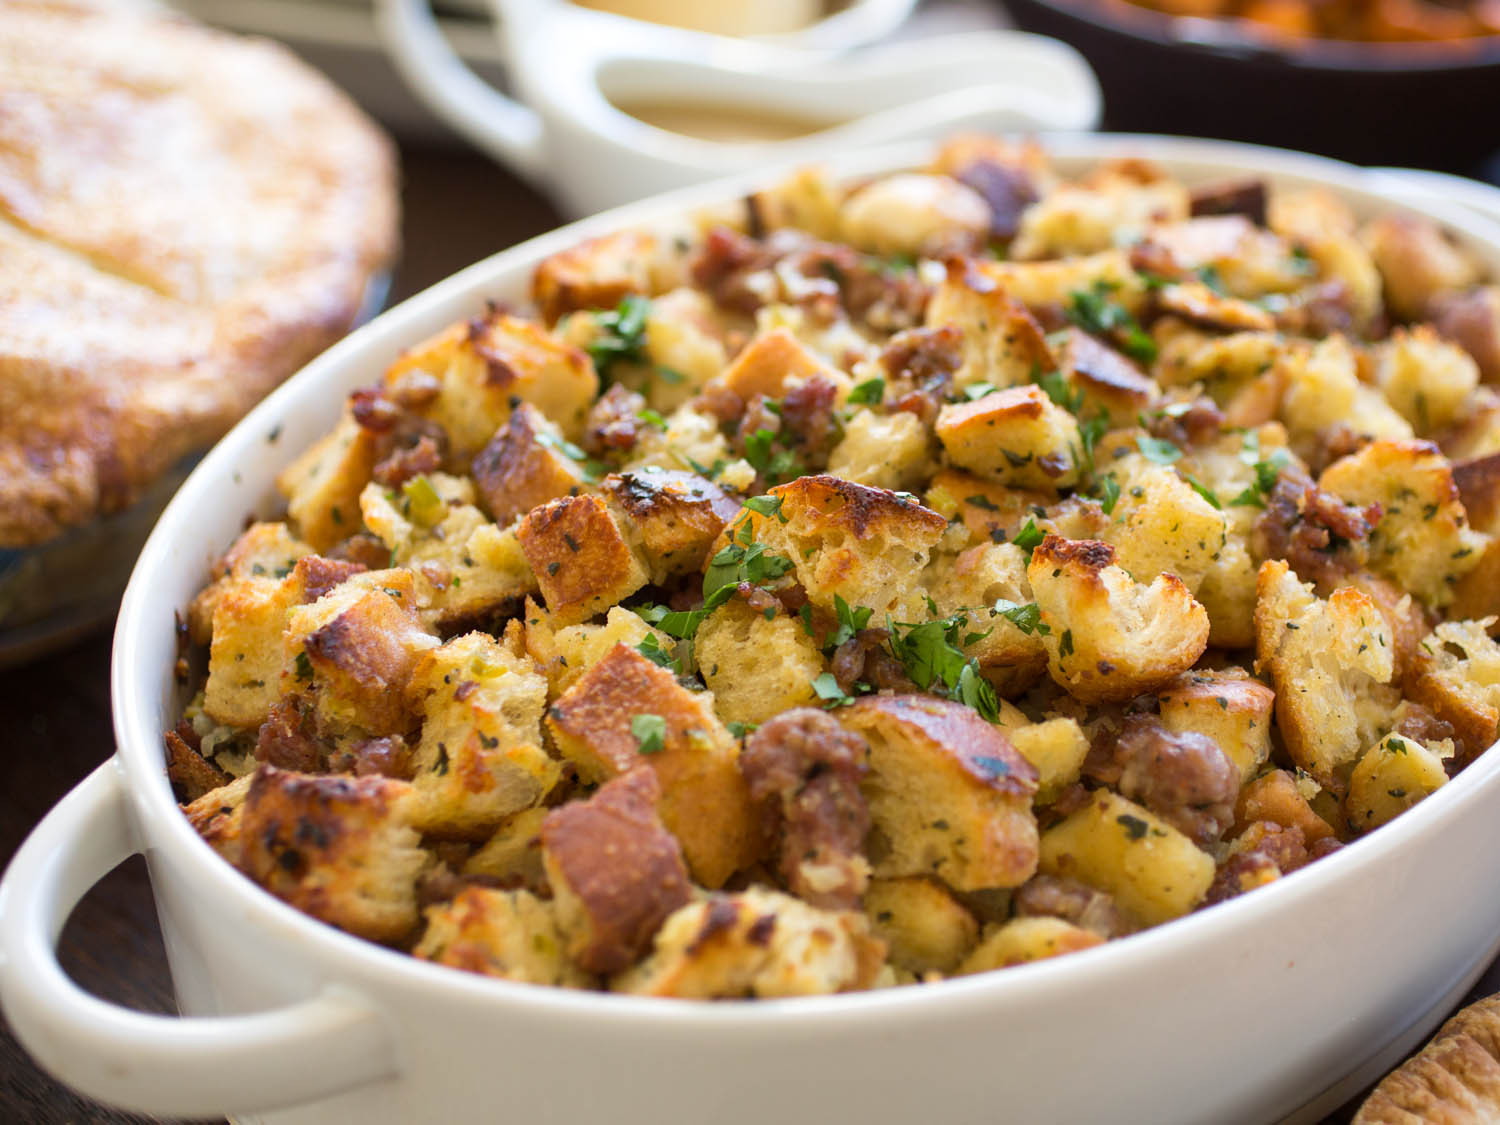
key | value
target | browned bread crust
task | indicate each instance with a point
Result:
(186, 218)
(1454, 1080)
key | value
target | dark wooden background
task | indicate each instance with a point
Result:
(55, 712)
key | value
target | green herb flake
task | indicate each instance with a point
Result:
(621, 336)
(1134, 826)
(1026, 617)
(1029, 537)
(1109, 493)
(766, 506)
(826, 687)
(868, 393)
(1204, 491)
(650, 733)
(1157, 450)
(304, 666)
(1094, 312)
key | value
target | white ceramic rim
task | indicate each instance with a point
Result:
(134, 686)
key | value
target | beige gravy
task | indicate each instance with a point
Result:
(709, 122)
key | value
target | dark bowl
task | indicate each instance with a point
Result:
(1427, 105)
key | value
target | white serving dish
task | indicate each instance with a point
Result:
(1283, 1001)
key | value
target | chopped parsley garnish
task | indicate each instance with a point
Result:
(1026, 617)
(1209, 275)
(591, 469)
(850, 621)
(651, 417)
(1091, 431)
(1134, 826)
(1266, 473)
(1109, 493)
(766, 506)
(868, 393)
(621, 335)
(304, 666)
(1093, 311)
(774, 465)
(1158, 450)
(1204, 491)
(932, 653)
(978, 390)
(1030, 537)
(652, 650)
(421, 502)
(826, 687)
(650, 732)
(1065, 643)
(747, 561)
(1058, 390)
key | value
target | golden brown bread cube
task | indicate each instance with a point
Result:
(1328, 661)
(865, 545)
(524, 465)
(615, 871)
(567, 653)
(1454, 1080)
(595, 274)
(674, 517)
(353, 650)
(1114, 204)
(218, 815)
(512, 935)
(756, 943)
(338, 848)
(992, 512)
(1463, 690)
(1017, 436)
(322, 486)
(1277, 797)
(1002, 342)
(883, 451)
(1426, 378)
(1423, 541)
(1110, 637)
(264, 550)
(1478, 483)
(1162, 525)
(581, 557)
(1228, 707)
(1056, 747)
(756, 668)
(1471, 319)
(1108, 382)
(915, 213)
(597, 725)
(513, 855)
(1027, 939)
(1417, 262)
(770, 362)
(487, 364)
(925, 929)
(973, 581)
(1152, 870)
(480, 757)
(947, 791)
(1390, 777)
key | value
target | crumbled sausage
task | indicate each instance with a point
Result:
(1201, 422)
(1055, 896)
(864, 657)
(920, 364)
(1006, 189)
(188, 771)
(1277, 850)
(1323, 539)
(403, 463)
(1235, 197)
(286, 740)
(614, 424)
(805, 769)
(1182, 776)
(362, 548)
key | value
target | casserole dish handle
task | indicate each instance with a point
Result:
(152, 1063)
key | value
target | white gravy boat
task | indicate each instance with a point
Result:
(570, 66)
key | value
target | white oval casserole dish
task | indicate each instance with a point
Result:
(1281, 1001)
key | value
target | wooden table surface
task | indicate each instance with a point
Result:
(55, 712)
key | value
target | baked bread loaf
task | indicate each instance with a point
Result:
(185, 219)
(1454, 1080)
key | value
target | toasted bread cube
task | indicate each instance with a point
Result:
(265, 550)
(974, 581)
(1426, 378)
(1057, 748)
(1478, 481)
(512, 935)
(244, 658)
(582, 559)
(513, 855)
(1051, 284)
(914, 212)
(1277, 797)
(1115, 204)
(486, 365)
(1162, 525)
(480, 758)
(947, 791)
(352, 652)
(1390, 778)
(565, 654)
(770, 361)
(1423, 541)
(1027, 939)
(1109, 383)
(1462, 690)
(1477, 432)
(218, 815)
(865, 545)
(1110, 637)
(1323, 389)
(883, 451)
(673, 516)
(684, 347)
(1194, 301)
(806, 200)
(756, 943)
(1017, 436)
(322, 486)
(338, 848)
(1228, 707)
(992, 512)
(704, 802)
(1002, 344)
(1328, 661)
(1153, 871)
(616, 873)
(595, 274)
(1417, 262)
(925, 929)
(1243, 372)
(756, 667)
(1250, 261)
(525, 465)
